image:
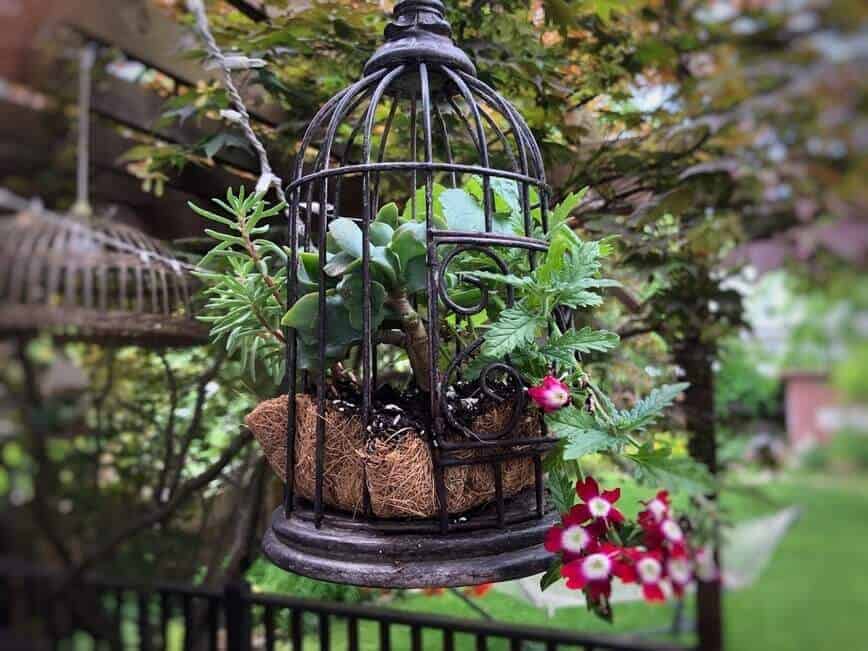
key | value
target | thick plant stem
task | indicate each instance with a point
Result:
(417, 338)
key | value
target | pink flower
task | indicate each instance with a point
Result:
(650, 573)
(593, 573)
(666, 533)
(596, 506)
(570, 539)
(656, 510)
(551, 394)
(679, 569)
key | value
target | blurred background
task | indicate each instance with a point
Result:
(723, 145)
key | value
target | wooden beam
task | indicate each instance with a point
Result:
(143, 32)
(29, 142)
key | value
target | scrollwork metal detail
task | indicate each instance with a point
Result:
(467, 278)
(486, 378)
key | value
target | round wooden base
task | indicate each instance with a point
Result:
(350, 551)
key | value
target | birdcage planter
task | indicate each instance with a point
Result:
(99, 281)
(452, 491)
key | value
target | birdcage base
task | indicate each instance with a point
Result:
(401, 555)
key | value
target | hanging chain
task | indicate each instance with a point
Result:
(86, 58)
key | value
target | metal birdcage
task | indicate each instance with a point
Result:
(419, 121)
(102, 282)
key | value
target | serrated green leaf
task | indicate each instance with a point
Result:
(562, 211)
(562, 490)
(645, 412)
(562, 349)
(505, 279)
(583, 433)
(657, 467)
(516, 327)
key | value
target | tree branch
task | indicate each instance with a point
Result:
(186, 490)
(196, 420)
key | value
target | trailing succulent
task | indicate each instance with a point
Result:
(245, 278)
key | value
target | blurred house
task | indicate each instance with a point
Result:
(815, 411)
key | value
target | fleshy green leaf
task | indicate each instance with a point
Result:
(409, 242)
(347, 235)
(380, 233)
(416, 275)
(339, 263)
(350, 288)
(388, 214)
(462, 211)
(303, 314)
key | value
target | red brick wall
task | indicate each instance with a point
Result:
(806, 395)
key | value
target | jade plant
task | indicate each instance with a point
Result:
(245, 278)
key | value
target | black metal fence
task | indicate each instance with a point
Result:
(101, 613)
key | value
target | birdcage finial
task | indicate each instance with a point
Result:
(419, 31)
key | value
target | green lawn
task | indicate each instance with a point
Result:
(814, 595)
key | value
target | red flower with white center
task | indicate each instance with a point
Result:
(672, 533)
(551, 394)
(593, 573)
(666, 532)
(570, 539)
(679, 569)
(650, 574)
(656, 510)
(596, 506)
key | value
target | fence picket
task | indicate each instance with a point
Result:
(237, 603)
(324, 632)
(297, 630)
(385, 637)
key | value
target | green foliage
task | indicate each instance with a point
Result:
(266, 577)
(657, 466)
(583, 432)
(645, 412)
(740, 386)
(850, 376)
(846, 453)
(245, 282)
(568, 276)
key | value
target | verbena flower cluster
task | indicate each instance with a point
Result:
(597, 544)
